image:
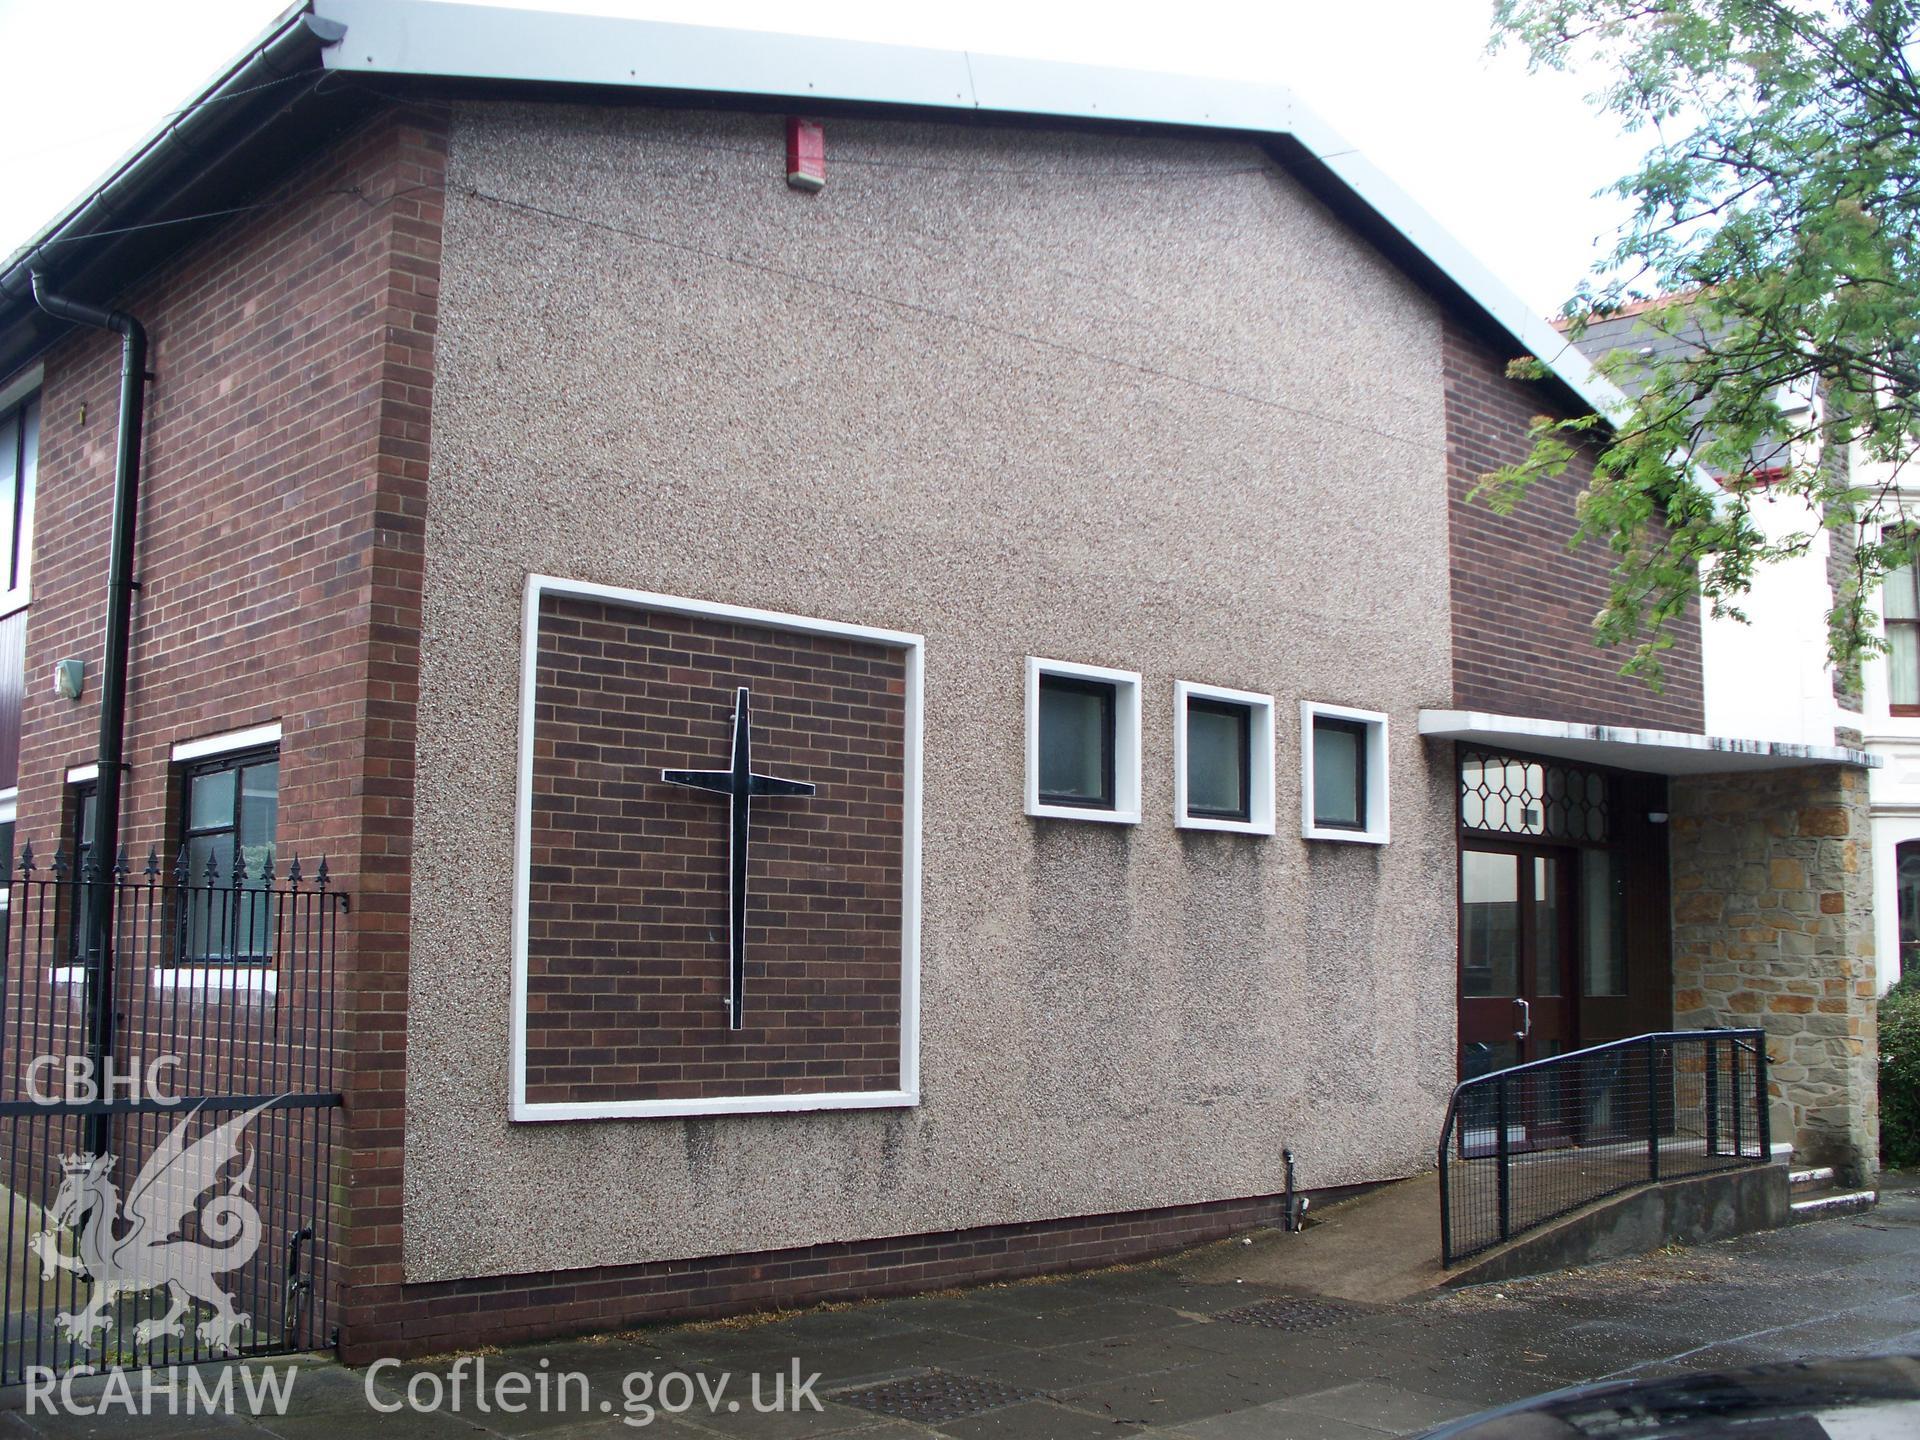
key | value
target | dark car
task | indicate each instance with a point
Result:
(1876, 1398)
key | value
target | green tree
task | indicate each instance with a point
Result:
(1777, 209)
(1899, 1028)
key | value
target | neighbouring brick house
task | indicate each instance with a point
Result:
(526, 411)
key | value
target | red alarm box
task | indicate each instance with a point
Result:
(806, 154)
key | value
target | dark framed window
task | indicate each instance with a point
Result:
(229, 819)
(1219, 759)
(1907, 889)
(1076, 742)
(8, 812)
(1339, 773)
(83, 818)
(19, 479)
(1900, 611)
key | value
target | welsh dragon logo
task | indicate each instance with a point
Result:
(134, 1248)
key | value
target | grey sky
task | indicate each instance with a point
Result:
(1508, 162)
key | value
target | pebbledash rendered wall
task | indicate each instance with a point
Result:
(1130, 402)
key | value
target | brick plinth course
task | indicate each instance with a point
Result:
(503, 1309)
(1773, 927)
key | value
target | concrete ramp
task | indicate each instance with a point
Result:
(1384, 1246)
(1379, 1247)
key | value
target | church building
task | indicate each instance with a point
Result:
(889, 652)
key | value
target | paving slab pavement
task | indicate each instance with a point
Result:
(1188, 1348)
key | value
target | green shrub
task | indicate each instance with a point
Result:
(1900, 1075)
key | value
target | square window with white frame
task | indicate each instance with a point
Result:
(1343, 774)
(1083, 742)
(1223, 759)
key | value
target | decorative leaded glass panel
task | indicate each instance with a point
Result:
(1505, 795)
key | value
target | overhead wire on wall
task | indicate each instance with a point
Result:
(932, 312)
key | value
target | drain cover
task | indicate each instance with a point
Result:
(935, 1396)
(1296, 1313)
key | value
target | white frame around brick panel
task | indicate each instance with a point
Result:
(1126, 742)
(1260, 732)
(912, 648)
(1378, 778)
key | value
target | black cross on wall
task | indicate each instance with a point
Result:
(742, 786)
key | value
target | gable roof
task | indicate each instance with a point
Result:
(271, 105)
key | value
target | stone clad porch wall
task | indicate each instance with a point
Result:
(1773, 927)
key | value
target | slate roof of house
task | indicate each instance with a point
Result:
(1631, 329)
(281, 99)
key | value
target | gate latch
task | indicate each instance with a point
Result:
(297, 1281)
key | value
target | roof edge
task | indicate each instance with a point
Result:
(432, 39)
(450, 41)
(1668, 752)
(291, 44)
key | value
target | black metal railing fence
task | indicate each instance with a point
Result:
(1523, 1146)
(213, 1008)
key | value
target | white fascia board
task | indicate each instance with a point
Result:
(1535, 332)
(487, 42)
(1658, 752)
(254, 737)
(484, 42)
(1008, 84)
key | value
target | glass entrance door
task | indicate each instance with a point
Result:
(1517, 941)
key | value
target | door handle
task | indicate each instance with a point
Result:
(1526, 1019)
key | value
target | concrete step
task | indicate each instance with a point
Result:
(1804, 1180)
(1830, 1201)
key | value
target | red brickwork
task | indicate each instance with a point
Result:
(429, 1319)
(289, 401)
(627, 954)
(1523, 605)
(281, 536)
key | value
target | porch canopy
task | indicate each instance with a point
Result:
(1655, 752)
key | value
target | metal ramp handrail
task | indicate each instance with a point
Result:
(1593, 1122)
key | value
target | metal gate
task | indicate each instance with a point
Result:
(166, 1121)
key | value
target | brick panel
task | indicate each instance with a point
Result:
(1523, 604)
(628, 903)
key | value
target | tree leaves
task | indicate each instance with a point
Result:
(1774, 226)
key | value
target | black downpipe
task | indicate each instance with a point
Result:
(97, 913)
